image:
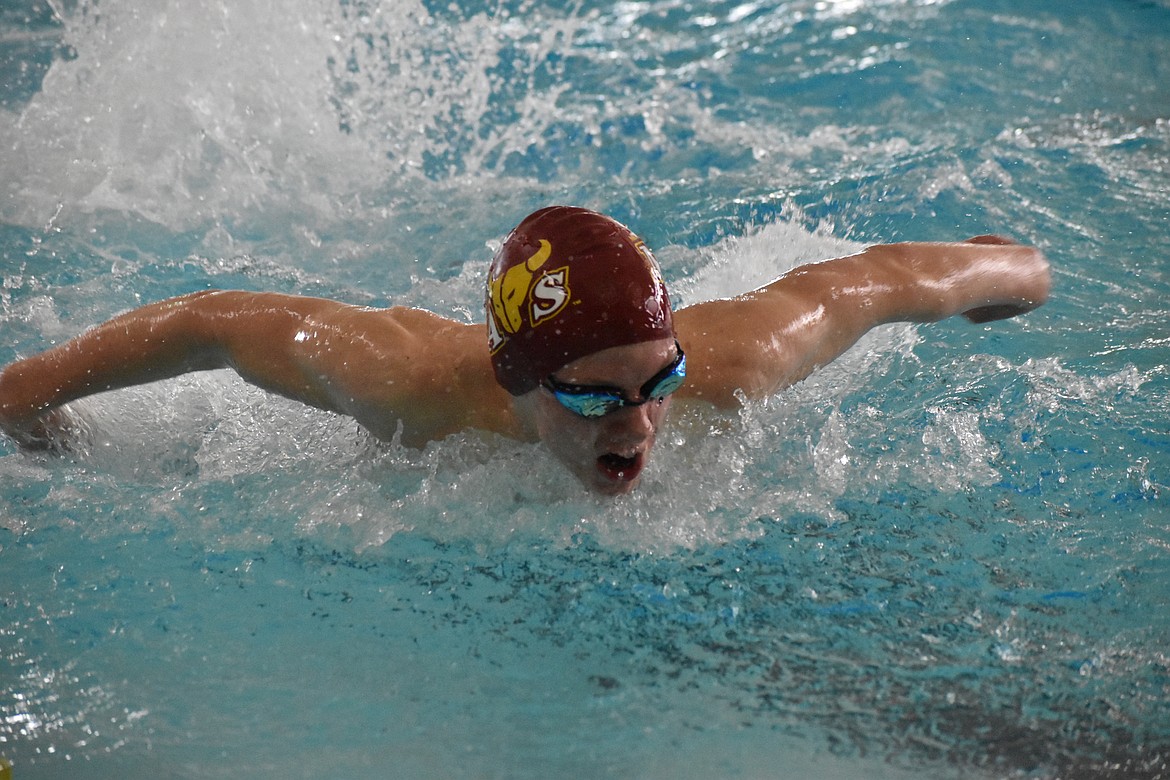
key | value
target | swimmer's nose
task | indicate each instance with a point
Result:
(632, 424)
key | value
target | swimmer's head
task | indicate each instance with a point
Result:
(567, 283)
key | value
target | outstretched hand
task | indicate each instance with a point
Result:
(1004, 311)
(56, 431)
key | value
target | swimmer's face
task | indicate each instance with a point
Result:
(607, 453)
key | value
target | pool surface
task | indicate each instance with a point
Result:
(947, 555)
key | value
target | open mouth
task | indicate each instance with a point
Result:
(620, 467)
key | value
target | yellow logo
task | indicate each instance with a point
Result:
(520, 290)
(510, 289)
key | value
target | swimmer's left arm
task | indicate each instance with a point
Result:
(774, 336)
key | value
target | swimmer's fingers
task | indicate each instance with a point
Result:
(1029, 280)
(990, 239)
(57, 431)
(1000, 312)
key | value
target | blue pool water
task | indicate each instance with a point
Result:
(946, 555)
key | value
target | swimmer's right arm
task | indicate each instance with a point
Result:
(363, 362)
(154, 342)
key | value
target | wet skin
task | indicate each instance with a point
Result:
(411, 371)
(608, 453)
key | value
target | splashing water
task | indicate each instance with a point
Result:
(943, 555)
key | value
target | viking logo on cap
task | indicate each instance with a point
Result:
(520, 288)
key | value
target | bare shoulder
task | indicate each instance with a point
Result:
(402, 366)
(738, 347)
(396, 369)
(762, 340)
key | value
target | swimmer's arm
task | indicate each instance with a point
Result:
(375, 365)
(774, 336)
(137, 347)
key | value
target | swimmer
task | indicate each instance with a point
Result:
(582, 349)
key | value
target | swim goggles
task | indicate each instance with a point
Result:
(595, 401)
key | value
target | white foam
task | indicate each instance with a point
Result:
(182, 112)
(742, 263)
(715, 475)
(193, 114)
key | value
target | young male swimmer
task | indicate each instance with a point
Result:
(582, 351)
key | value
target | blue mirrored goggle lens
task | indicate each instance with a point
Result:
(598, 403)
(589, 404)
(671, 382)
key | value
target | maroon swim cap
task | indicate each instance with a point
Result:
(569, 282)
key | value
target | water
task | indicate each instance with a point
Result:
(944, 556)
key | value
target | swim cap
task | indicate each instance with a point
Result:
(566, 283)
